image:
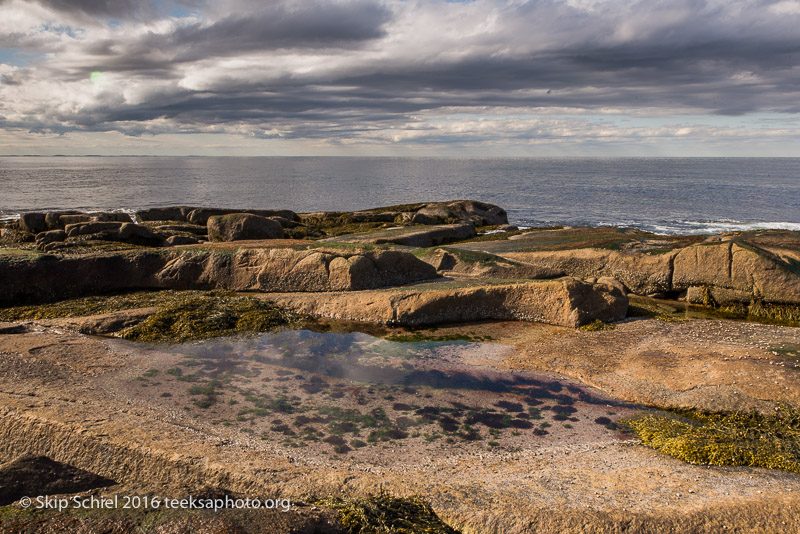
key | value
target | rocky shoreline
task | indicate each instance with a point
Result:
(649, 308)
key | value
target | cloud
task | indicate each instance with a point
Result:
(381, 71)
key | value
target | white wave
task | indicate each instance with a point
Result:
(717, 227)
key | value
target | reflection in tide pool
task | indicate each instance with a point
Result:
(354, 394)
(351, 356)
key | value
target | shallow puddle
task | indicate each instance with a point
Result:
(351, 395)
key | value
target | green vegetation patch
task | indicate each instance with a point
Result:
(83, 306)
(180, 316)
(385, 514)
(778, 314)
(743, 439)
(597, 325)
(200, 315)
(17, 254)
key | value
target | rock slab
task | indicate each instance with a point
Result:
(564, 302)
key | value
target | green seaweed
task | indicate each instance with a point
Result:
(756, 311)
(180, 316)
(726, 438)
(385, 514)
(208, 315)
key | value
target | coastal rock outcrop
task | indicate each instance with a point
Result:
(467, 263)
(201, 215)
(36, 222)
(468, 211)
(51, 236)
(710, 273)
(172, 213)
(115, 231)
(239, 226)
(735, 272)
(564, 302)
(413, 236)
(432, 213)
(48, 277)
(639, 273)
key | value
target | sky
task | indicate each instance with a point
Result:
(400, 77)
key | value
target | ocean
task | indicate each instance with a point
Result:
(662, 195)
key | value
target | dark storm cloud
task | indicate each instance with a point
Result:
(279, 25)
(117, 9)
(397, 60)
(308, 24)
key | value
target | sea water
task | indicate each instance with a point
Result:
(663, 195)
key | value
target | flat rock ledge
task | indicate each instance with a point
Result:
(48, 278)
(564, 302)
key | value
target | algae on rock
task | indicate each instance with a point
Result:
(203, 316)
(180, 316)
(384, 514)
(743, 439)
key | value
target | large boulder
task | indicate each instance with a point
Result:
(136, 233)
(172, 213)
(469, 211)
(32, 222)
(239, 226)
(201, 215)
(52, 218)
(286, 269)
